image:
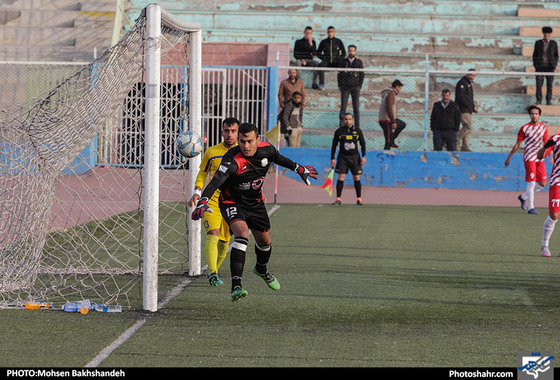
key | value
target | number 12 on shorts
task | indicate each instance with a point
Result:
(231, 212)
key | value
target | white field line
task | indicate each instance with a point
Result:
(106, 352)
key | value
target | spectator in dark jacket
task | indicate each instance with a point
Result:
(331, 51)
(464, 97)
(350, 83)
(545, 59)
(444, 122)
(305, 53)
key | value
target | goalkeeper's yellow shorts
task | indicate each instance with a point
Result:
(214, 221)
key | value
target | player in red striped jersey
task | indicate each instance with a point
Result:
(553, 193)
(534, 134)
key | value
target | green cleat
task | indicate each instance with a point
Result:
(269, 278)
(214, 279)
(238, 293)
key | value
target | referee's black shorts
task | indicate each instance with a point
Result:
(352, 162)
(256, 217)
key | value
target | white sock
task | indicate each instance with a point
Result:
(530, 192)
(548, 228)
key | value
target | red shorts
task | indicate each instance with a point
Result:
(554, 199)
(535, 171)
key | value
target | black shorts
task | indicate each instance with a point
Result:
(349, 162)
(256, 217)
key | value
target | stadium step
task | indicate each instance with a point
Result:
(553, 110)
(536, 32)
(538, 11)
(40, 5)
(405, 24)
(62, 30)
(56, 17)
(22, 36)
(476, 8)
(393, 43)
(389, 35)
(532, 89)
(45, 53)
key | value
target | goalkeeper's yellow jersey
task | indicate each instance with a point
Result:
(209, 165)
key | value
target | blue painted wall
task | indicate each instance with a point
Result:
(449, 170)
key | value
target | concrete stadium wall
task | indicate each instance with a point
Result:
(448, 170)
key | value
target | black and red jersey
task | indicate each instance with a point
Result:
(240, 179)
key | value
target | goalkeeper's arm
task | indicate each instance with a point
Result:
(227, 167)
(202, 204)
(304, 171)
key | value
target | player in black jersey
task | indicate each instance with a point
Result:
(347, 138)
(240, 178)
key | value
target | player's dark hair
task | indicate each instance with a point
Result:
(445, 91)
(533, 107)
(230, 121)
(246, 128)
(308, 28)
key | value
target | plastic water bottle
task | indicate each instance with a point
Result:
(107, 308)
(38, 305)
(75, 307)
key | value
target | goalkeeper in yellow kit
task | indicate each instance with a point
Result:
(217, 230)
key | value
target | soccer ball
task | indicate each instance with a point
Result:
(189, 144)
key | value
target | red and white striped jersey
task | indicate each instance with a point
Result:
(534, 136)
(555, 177)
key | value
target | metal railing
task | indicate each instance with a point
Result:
(502, 99)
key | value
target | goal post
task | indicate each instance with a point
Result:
(156, 17)
(94, 191)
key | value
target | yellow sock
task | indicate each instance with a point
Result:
(211, 252)
(222, 251)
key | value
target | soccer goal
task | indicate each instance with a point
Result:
(93, 190)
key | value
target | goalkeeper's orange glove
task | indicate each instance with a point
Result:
(305, 172)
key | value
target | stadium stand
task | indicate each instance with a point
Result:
(456, 35)
(55, 30)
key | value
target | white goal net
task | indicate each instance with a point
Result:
(85, 190)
